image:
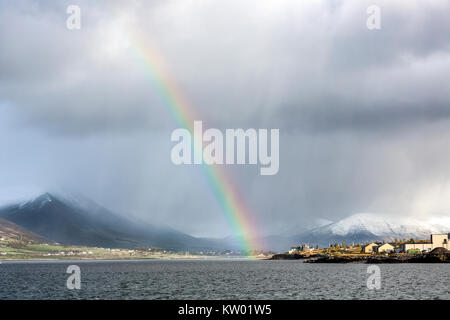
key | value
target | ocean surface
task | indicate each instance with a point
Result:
(221, 279)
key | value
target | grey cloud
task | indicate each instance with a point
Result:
(363, 115)
(239, 67)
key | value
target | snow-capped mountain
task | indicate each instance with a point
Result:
(80, 221)
(302, 226)
(371, 227)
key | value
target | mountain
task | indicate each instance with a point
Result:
(11, 231)
(80, 221)
(294, 228)
(370, 227)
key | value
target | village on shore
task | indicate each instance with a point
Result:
(434, 250)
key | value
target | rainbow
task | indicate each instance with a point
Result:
(234, 208)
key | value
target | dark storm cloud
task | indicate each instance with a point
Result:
(238, 67)
(363, 115)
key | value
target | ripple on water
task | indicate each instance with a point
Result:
(217, 279)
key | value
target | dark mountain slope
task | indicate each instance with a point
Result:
(11, 231)
(86, 223)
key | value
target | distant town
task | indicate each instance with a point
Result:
(398, 246)
(30, 250)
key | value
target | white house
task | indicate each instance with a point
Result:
(301, 248)
(384, 248)
(440, 241)
(369, 247)
(437, 241)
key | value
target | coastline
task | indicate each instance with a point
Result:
(368, 259)
(64, 260)
(133, 258)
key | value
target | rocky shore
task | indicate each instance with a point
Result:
(436, 256)
(287, 256)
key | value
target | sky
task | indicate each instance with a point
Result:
(364, 115)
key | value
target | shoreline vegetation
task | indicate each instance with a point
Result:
(435, 256)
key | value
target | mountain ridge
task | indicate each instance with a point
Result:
(68, 222)
(366, 227)
(12, 231)
(81, 221)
